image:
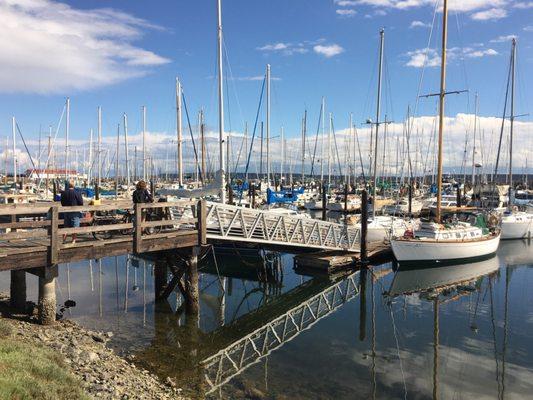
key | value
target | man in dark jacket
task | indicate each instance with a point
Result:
(141, 194)
(71, 198)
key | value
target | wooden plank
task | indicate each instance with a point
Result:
(25, 224)
(168, 222)
(95, 228)
(103, 207)
(17, 209)
(164, 204)
(17, 235)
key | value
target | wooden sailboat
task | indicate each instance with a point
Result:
(433, 241)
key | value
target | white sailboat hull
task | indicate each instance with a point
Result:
(517, 226)
(432, 250)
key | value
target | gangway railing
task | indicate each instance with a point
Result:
(238, 224)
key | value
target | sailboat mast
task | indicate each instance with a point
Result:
(474, 143)
(99, 148)
(126, 154)
(442, 94)
(143, 110)
(304, 127)
(282, 156)
(322, 144)
(221, 158)
(378, 112)
(13, 126)
(268, 124)
(513, 62)
(179, 132)
(117, 162)
(67, 133)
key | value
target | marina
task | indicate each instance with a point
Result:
(255, 257)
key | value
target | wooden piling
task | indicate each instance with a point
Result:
(137, 228)
(345, 199)
(458, 196)
(364, 226)
(53, 250)
(324, 204)
(18, 290)
(410, 194)
(201, 225)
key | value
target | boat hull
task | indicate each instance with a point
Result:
(517, 228)
(414, 250)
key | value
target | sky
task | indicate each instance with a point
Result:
(123, 54)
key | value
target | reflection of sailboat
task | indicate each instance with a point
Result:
(516, 252)
(408, 281)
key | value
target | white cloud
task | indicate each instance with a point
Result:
(423, 57)
(490, 14)
(463, 5)
(523, 5)
(51, 47)
(504, 39)
(346, 12)
(345, 3)
(255, 78)
(328, 50)
(273, 47)
(431, 58)
(285, 48)
(419, 24)
(528, 28)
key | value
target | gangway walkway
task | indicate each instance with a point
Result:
(238, 224)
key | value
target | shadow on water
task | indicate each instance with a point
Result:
(265, 331)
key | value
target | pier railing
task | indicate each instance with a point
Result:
(39, 227)
(225, 222)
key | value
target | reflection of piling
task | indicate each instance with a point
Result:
(364, 226)
(362, 304)
(160, 279)
(18, 290)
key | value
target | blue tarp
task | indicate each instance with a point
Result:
(283, 196)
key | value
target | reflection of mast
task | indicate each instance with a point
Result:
(373, 311)
(127, 283)
(435, 348)
(100, 287)
(507, 280)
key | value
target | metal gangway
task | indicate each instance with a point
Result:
(239, 224)
(221, 367)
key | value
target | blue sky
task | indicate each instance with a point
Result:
(124, 54)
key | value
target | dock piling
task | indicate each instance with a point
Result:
(324, 204)
(47, 296)
(364, 226)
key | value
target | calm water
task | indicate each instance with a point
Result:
(411, 334)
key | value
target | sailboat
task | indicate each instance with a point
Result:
(433, 241)
(515, 224)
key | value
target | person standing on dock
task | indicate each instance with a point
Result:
(71, 198)
(141, 193)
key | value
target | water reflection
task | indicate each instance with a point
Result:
(264, 331)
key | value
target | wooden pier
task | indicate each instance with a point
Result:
(33, 239)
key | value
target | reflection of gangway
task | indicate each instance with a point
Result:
(221, 367)
(238, 224)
